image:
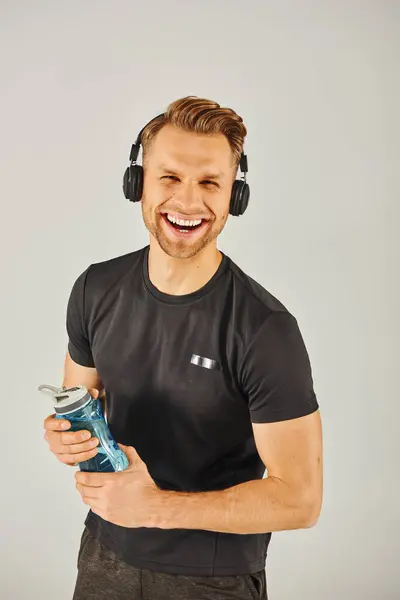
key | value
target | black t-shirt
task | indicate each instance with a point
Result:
(184, 378)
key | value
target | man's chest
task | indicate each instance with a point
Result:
(182, 358)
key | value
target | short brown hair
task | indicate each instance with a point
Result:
(200, 115)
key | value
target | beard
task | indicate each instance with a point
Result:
(180, 248)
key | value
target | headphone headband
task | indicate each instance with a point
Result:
(136, 146)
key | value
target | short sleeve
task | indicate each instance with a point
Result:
(276, 373)
(78, 339)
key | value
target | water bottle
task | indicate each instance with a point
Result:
(85, 412)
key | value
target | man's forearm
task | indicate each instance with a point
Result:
(257, 506)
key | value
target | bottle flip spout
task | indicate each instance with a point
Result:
(52, 390)
(60, 393)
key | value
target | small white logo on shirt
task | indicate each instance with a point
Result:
(207, 363)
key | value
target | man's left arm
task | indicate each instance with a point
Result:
(276, 378)
(289, 498)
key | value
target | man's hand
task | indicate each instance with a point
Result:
(70, 447)
(128, 498)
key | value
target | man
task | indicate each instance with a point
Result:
(206, 381)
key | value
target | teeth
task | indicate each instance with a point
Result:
(182, 222)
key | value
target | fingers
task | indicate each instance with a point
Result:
(70, 447)
(53, 424)
(73, 459)
(70, 438)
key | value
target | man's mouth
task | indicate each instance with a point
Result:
(183, 226)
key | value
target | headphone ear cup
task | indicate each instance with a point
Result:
(126, 183)
(133, 183)
(239, 197)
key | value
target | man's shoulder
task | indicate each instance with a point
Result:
(254, 294)
(105, 273)
(261, 320)
(118, 263)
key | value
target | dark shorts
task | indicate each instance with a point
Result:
(103, 576)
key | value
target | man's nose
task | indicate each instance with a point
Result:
(189, 194)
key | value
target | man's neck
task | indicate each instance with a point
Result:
(177, 276)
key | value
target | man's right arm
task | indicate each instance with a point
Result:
(79, 369)
(75, 374)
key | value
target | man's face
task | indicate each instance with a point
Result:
(188, 180)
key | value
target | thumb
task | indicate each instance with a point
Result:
(130, 452)
(94, 392)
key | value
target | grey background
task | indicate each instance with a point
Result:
(317, 85)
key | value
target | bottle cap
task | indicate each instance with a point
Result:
(67, 400)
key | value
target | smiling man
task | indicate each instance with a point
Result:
(206, 380)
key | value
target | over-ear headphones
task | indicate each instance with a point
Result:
(133, 180)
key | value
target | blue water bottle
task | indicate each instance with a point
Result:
(85, 412)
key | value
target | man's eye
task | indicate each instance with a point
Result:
(207, 182)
